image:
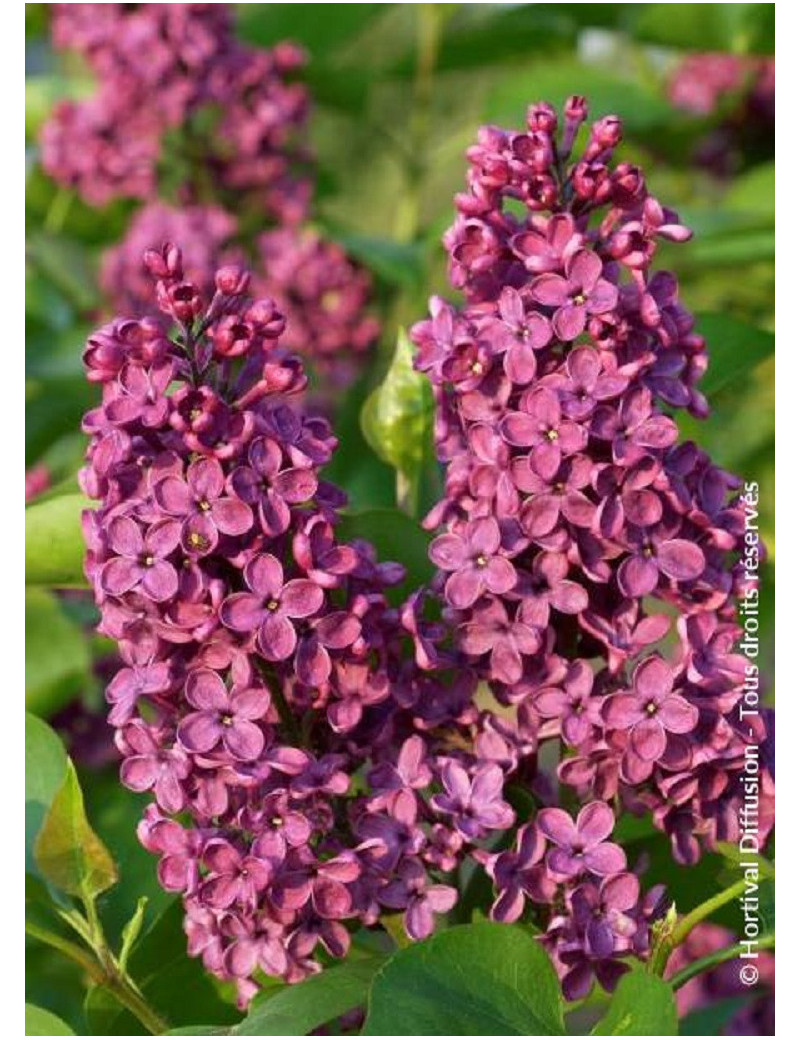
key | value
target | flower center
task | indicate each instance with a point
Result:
(552, 435)
(277, 821)
(148, 561)
(476, 368)
(579, 298)
(227, 720)
(272, 605)
(205, 505)
(197, 541)
(651, 708)
(481, 561)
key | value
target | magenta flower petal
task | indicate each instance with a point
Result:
(200, 731)
(124, 537)
(677, 715)
(301, 598)
(595, 822)
(569, 321)
(550, 289)
(464, 587)
(120, 575)
(172, 494)
(637, 576)
(160, 581)
(232, 516)
(276, 637)
(244, 740)
(621, 711)
(604, 859)
(680, 559)
(242, 612)
(557, 826)
(648, 739)
(206, 479)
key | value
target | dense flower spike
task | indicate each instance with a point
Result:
(579, 532)
(264, 671)
(186, 56)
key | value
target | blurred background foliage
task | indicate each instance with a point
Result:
(398, 93)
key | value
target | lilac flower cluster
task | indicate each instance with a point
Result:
(205, 234)
(589, 563)
(308, 748)
(594, 910)
(736, 93)
(145, 127)
(324, 296)
(157, 67)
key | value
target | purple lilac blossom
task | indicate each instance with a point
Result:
(263, 668)
(555, 381)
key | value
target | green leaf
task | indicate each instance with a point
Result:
(54, 545)
(39, 1022)
(296, 1010)
(45, 767)
(397, 420)
(68, 852)
(711, 27)
(471, 980)
(328, 29)
(65, 262)
(734, 857)
(53, 409)
(131, 932)
(115, 812)
(731, 250)
(398, 263)
(734, 348)
(57, 658)
(173, 983)
(754, 192)
(396, 536)
(642, 1005)
(709, 1021)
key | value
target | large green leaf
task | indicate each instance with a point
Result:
(735, 348)
(398, 263)
(642, 1005)
(754, 192)
(45, 767)
(329, 28)
(709, 27)
(54, 545)
(39, 1022)
(68, 852)
(56, 654)
(397, 420)
(396, 536)
(471, 980)
(296, 1010)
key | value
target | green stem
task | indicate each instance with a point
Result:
(706, 909)
(688, 923)
(106, 975)
(429, 30)
(58, 210)
(711, 961)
